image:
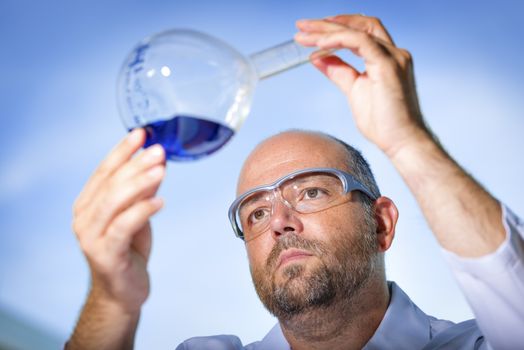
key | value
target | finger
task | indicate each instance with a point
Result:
(338, 71)
(360, 43)
(308, 39)
(370, 25)
(152, 156)
(119, 155)
(318, 26)
(124, 228)
(116, 198)
(121, 196)
(312, 39)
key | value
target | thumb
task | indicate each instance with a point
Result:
(338, 71)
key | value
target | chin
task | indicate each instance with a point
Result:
(294, 270)
(295, 276)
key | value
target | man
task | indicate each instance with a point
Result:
(316, 227)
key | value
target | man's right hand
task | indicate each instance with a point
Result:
(111, 222)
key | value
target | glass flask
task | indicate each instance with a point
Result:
(192, 92)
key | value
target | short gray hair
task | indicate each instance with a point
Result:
(359, 167)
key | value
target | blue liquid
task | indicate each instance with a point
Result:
(187, 138)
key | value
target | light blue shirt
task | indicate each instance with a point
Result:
(492, 284)
(404, 326)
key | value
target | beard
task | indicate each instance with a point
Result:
(338, 271)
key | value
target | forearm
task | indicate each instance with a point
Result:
(103, 325)
(464, 217)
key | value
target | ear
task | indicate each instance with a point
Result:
(386, 216)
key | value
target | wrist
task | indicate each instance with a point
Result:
(415, 140)
(104, 324)
(423, 163)
(98, 298)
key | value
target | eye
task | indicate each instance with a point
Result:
(314, 193)
(258, 215)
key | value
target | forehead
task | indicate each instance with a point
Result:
(289, 152)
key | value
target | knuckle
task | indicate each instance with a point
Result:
(375, 20)
(86, 248)
(76, 227)
(77, 203)
(78, 207)
(79, 226)
(406, 54)
(342, 19)
(364, 36)
(405, 58)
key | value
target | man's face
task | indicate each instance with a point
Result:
(305, 261)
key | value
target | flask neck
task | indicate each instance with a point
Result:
(282, 57)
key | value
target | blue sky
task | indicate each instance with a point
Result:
(60, 60)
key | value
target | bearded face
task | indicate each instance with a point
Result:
(336, 269)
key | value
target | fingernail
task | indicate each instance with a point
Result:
(134, 135)
(156, 151)
(157, 202)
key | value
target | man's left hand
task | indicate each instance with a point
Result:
(383, 98)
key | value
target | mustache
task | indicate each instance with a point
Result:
(292, 240)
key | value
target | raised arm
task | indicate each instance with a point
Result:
(487, 249)
(111, 221)
(463, 216)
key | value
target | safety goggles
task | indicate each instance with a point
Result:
(305, 191)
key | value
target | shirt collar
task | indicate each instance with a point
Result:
(404, 326)
(274, 340)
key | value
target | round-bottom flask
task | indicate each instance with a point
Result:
(192, 92)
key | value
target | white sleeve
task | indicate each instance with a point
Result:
(494, 286)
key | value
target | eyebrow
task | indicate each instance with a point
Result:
(300, 180)
(253, 198)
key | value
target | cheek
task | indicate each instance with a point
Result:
(337, 227)
(257, 252)
(332, 223)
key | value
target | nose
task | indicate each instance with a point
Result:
(284, 220)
